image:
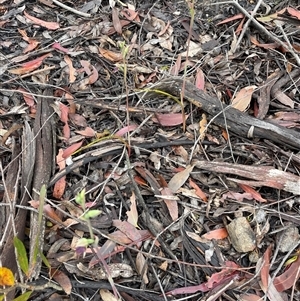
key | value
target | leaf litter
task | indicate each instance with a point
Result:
(178, 201)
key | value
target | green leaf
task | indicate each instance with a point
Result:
(21, 255)
(45, 261)
(80, 198)
(84, 242)
(23, 297)
(92, 214)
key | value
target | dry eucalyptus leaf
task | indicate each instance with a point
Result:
(179, 179)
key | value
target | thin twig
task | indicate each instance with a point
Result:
(263, 29)
(234, 48)
(73, 10)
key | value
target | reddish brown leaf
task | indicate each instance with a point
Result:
(236, 17)
(130, 14)
(29, 66)
(140, 181)
(200, 80)
(265, 46)
(176, 67)
(94, 75)
(64, 117)
(27, 97)
(287, 279)
(169, 119)
(294, 12)
(32, 42)
(199, 191)
(71, 149)
(216, 234)
(57, 46)
(70, 99)
(265, 270)
(256, 195)
(126, 130)
(48, 25)
(49, 212)
(110, 55)
(229, 272)
(127, 229)
(78, 120)
(120, 237)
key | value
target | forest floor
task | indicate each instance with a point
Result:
(150, 150)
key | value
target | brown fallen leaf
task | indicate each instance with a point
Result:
(243, 98)
(62, 279)
(48, 25)
(171, 204)
(171, 119)
(72, 70)
(132, 214)
(216, 234)
(180, 178)
(116, 21)
(29, 66)
(71, 149)
(288, 278)
(60, 185)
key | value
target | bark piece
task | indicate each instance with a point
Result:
(43, 129)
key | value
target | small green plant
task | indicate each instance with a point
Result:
(83, 243)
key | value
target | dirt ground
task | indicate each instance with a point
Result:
(149, 150)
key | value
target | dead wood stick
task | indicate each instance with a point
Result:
(43, 129)
(237, 122)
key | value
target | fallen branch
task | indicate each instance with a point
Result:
(236, 121)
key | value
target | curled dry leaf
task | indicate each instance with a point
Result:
(72, 71)
(132, 213)
(110, 55)
(242, 99)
